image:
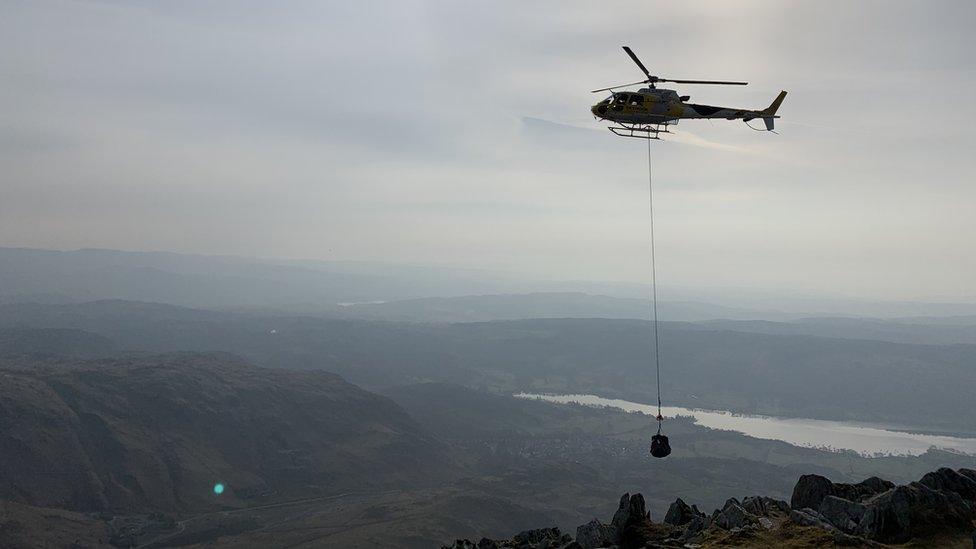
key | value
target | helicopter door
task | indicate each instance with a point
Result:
(620, 101)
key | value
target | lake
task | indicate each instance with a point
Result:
(864, 439)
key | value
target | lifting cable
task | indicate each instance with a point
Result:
(657, 346)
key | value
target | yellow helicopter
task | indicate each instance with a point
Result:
(649, 111)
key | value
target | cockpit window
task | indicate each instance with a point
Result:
(636, 100)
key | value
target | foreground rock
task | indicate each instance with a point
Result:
(680, 513)
(811, 490)
(942, 501)
(543, 538)
(940, 506)
(594, 534)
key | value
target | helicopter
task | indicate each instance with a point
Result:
(649, 111)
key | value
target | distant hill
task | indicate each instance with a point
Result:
(156, 434)
(486, 308)
(318, 287)
(807, 376)
(214, 281)
(51, 276)
(776, 374)
(483, 308)
(899, 330)
(54, 342)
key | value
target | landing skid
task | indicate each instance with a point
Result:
(641, 131)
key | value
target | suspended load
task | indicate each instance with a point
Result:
(660, 447)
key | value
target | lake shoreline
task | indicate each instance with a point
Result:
(874, 424)
(865, 438)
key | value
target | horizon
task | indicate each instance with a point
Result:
(742, 298)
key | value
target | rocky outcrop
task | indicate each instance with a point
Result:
(865, 514)
(530, 537)
(809, 517)
(594, 534)
(680, 513)
(632, 509)
(844, 514)
(753, 513)
(732, 516)
(810, 490)
(947, 480)
(943, 500)
(697, 525)
(543, 538)
(762, 506)
(913, 510)
(631, 523)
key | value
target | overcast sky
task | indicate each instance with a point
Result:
(459, 132)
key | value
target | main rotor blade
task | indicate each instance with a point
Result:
(620, 86)
(636, 60)
(726, 82)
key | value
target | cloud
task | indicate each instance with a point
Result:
(461, 131)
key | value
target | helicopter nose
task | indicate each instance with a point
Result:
(598, 110)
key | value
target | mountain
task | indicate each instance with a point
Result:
(156, 433)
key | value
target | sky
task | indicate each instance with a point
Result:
(459, 133)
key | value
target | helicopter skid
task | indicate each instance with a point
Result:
(640, 131)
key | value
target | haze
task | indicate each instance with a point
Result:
(459, 133)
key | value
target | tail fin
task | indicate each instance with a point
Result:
(769, 113)
(774, 106)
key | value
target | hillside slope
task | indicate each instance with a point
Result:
(157, 433)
